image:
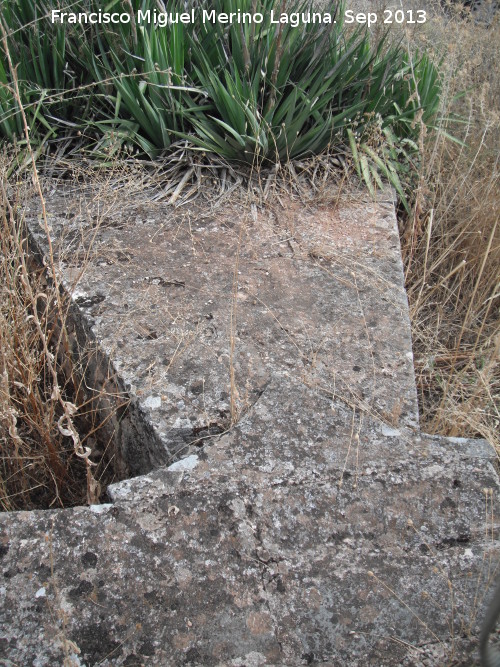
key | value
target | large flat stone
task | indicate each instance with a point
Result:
(277, 555)
(199, 311)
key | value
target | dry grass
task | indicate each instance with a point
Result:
(58, 400)
(451, 245)
(35, 463)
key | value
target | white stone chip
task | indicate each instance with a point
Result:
(390, 432)
(100, 509)
(189, 463)
(152, 402)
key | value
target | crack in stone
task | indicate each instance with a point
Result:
(263, 557)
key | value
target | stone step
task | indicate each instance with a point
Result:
(197, 312)
(302, 518)
(265, 550)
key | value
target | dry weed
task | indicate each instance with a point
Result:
(451, 245)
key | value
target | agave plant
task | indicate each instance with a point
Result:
(142, 73)
(250, 92)
(272, 90)
(254, 92)
(45, 56)
(10, 118)
(280, 92)
(396, 115)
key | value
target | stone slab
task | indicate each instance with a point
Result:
(197, 311)
(263, 555)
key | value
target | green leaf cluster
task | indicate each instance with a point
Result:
(249, 92)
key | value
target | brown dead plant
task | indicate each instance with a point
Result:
(451, 244)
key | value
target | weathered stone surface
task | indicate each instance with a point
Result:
(262, 551)
(183, 302)
(321, 527)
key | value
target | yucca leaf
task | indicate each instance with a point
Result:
(354, 150)
(365, 170)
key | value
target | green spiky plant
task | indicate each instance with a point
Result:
(141, 72)
(48, 67)
(287, 91)
(10, 119)
(268, 92)
(251, 93)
